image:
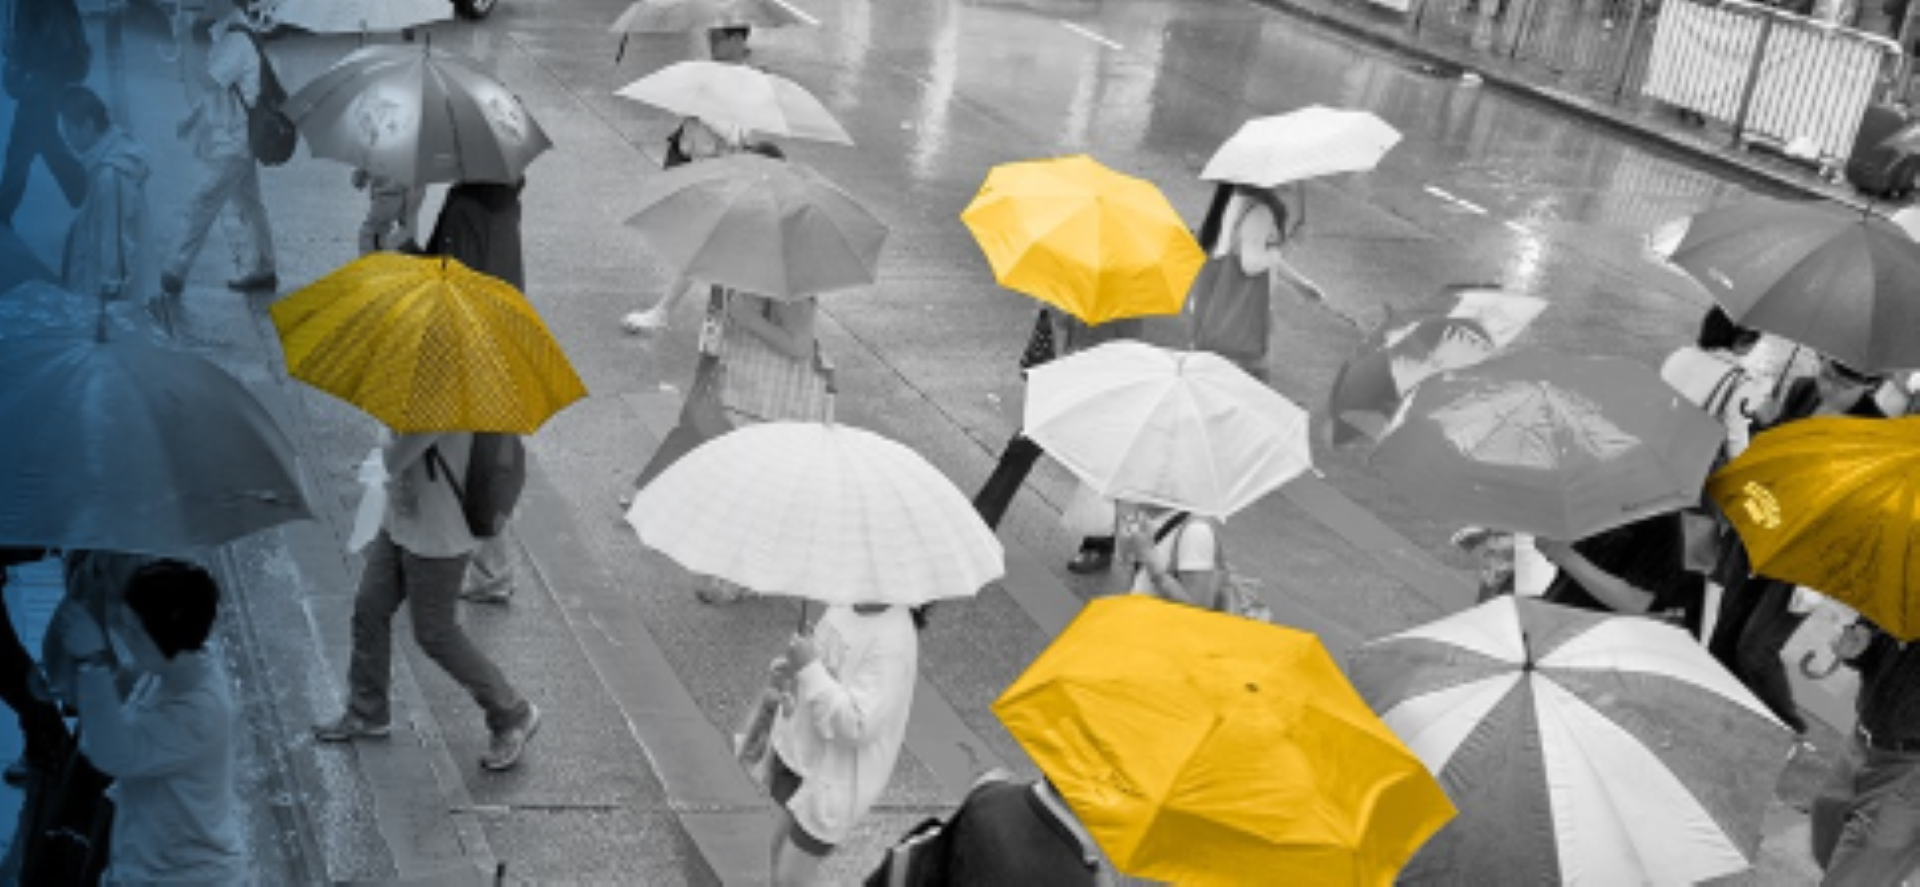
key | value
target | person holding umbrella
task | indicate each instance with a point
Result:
(851, 683)
(229, 174)
(1230, 307)
(1872, 836)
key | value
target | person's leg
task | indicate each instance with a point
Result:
(370, 667)
(1767, 633)
(255, 251)
(1831, 807)
(1016, 462)
(1880, 842)
(219, 177)
(797, 855)
(661, 313)
(1739, 600)
(44, 731)
(433, 594)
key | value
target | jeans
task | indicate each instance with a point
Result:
(1874, 836)
(226, 179)
(431, 589)
(35, 134)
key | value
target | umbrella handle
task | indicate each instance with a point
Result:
(802, 628)
(622, 53)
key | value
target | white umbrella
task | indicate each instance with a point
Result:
(737, 95)
(1311, 142)
(828, 513)
(1185, 430)
(360, 16)
(685, 16)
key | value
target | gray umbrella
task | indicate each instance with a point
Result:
(127, 445)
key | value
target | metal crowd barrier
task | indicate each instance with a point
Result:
(1775, 78)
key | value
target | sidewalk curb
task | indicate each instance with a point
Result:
(1723, 159)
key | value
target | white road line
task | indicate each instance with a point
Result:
(1469, 205)
(1091, 35)
(799, 12)
(1517, 227)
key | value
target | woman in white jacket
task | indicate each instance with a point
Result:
(834, 747)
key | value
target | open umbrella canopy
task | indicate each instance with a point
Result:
(360, 16)
(126, 445)
(426, 344)
(1828, 502)
(1581, 748)
(1842, 283)
(759, 225)
(417, 115)
(737, 95)
(36, 308)
(684, 16)
(1311, 142)
(1554, 445)
(1098, 244)
(1369, 387)
(828, 513)
(1182, 429)
(1201, 748)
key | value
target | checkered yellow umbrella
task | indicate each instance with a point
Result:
(427, 344)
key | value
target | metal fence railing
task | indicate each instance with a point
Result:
(1774, 78)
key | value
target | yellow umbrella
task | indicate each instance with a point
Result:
(1200, 748)
(1095, 243)
(1833, 503)
(427, 344)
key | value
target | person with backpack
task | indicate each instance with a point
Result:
(47, 51)
(418, 558)
(239, 80)
(1176, 556)
(479, 227)
(1006, 831)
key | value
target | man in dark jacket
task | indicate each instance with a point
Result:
(1872, 836)
(479, 226)
(46, 49)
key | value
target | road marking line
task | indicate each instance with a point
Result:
(799, 12)
(1091, 35)
(1474, 207)
(1517, 227)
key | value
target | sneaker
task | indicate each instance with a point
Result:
(265, 282)
(509, 743)
(1089, 561)
(643, 321)
(350, 726)
(498, 590)
(172, 285)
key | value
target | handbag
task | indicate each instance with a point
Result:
(701, 420)
(763, 383)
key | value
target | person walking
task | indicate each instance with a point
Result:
(1013, 831)
(1230, 305)
(106, 245)
(1758, 614)
(850, 684)
(1175, 556)
(170, 743)
(229, 173)
(392, 209)
(418, 559)
(697, 140)
(1866, 824)
(47, 51)
(479, 226)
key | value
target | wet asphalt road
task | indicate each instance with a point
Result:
(1483, 188)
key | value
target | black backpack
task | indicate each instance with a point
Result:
(496, 473)
(270, 132)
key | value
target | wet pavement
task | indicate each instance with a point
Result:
(630, 780)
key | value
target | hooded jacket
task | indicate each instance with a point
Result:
(106, 245)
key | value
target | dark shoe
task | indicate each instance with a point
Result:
(1090, 560)
(348, 727)
(254, 283)
(496, 590)
(509, 743)
(172, 286)
(16, 773)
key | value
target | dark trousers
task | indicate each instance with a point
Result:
(1755, 625)
(1016, 462)
(40, 722)
(35, 134)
